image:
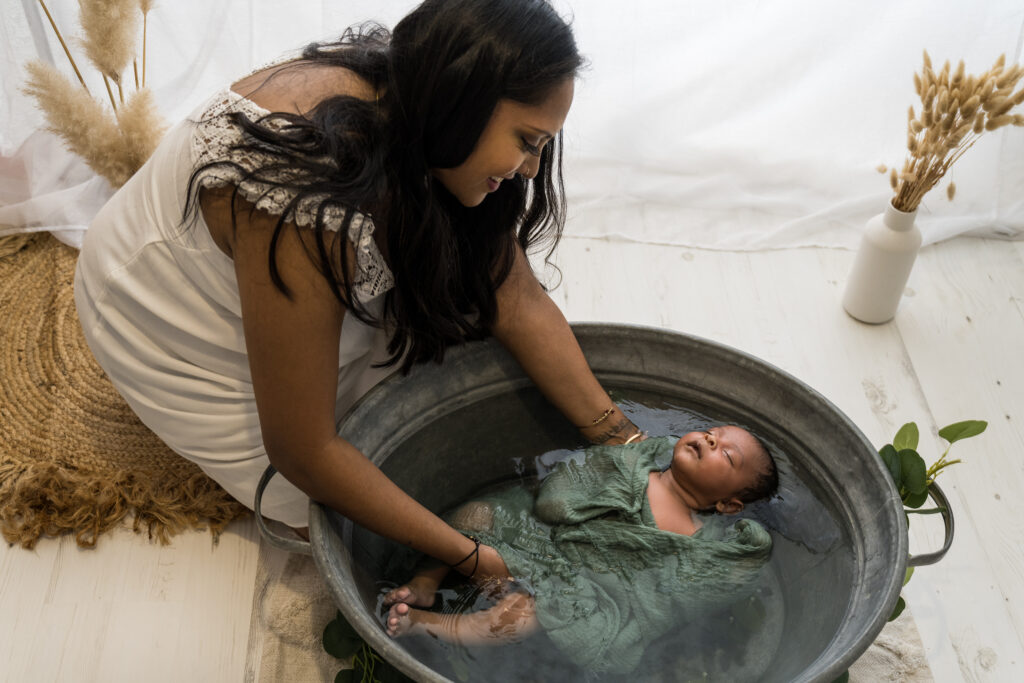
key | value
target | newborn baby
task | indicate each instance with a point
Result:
(610, 552)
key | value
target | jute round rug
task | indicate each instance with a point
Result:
(74, 458)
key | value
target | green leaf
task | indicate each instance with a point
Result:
(845, 678)
(913, 473)
(345, 676)
(898, 610)
(346, 628)
(915, 500)
(385, 672)
(962, 430)
(906, 578)
(906, 437)
(340, 639)
(892, 461)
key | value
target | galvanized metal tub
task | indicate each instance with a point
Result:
(433, 432)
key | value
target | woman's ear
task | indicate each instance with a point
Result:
(729, 507)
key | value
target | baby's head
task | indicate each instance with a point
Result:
(723, 468)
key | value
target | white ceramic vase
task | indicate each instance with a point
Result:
(880, 272)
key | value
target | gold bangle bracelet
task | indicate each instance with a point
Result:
(635, 436)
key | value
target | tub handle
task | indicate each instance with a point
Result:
(292, 545)
(942, 502)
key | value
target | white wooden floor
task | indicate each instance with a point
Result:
(133, 611)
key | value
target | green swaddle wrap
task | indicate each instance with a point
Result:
(606, 580)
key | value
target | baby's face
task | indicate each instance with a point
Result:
(717, 464)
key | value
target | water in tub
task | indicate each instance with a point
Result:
(599, 635)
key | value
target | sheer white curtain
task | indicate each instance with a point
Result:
(738, 125)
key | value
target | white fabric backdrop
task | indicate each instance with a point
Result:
(731, 125)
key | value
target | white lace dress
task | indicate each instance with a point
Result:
(160, 308)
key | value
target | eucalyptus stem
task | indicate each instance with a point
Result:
(64, 45)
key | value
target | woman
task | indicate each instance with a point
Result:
(380, 213)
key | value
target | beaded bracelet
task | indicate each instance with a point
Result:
(601, 418)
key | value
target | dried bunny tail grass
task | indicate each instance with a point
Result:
(145, 6)
(958, 75)
(979, 122)
(968, 108)
(1009, 77)
(881, 168)
(957, 108)
(999, 121)
(87, 129)
(141, 128)
(110, 27)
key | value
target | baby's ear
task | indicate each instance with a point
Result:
(729, 507)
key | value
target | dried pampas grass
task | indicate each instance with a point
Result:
(110, 28)
(141, 128)
(87, 128)
(115, 143)
(956, 109)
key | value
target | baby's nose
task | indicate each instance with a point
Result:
(712, 441)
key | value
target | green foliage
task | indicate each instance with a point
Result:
(901, 605)
(906, 437)
(962, 430)
(342, 641)
(912, 477)
(845, 678)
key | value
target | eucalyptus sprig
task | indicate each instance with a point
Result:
(907, 469)
(342, 641)
(912, 478)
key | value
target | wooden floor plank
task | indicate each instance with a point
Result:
(184, 611)
(965, 334)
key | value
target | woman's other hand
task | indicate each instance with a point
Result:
(611, 429)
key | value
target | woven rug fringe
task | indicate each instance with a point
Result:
(44, 499)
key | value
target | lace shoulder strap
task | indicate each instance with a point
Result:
(216, 139)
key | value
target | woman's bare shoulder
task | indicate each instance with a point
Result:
(297, 87)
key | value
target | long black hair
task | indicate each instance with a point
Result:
(439, 76)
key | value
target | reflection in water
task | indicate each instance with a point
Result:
(735, 641)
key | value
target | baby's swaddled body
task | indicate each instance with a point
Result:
(606, 580)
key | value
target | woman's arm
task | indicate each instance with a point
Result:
(292, 344)
(533, 329)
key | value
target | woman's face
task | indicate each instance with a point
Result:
(510, 143)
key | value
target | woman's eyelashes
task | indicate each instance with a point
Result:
(530, 148)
